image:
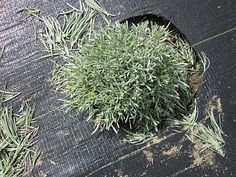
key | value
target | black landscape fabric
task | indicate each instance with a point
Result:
(68, 148)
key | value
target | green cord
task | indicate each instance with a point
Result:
(215, 36)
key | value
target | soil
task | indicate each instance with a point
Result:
(149, 156)
(203, 159)
(173, 151)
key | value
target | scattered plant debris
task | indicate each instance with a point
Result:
(16, 140)
(210, 135)
(7, 96)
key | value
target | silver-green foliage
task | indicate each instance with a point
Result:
(138, 137)
(134, 75)
(78, 25)
(16, 140)
(128, 74)
(210, 133)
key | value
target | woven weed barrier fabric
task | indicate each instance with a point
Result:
(65, 140)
